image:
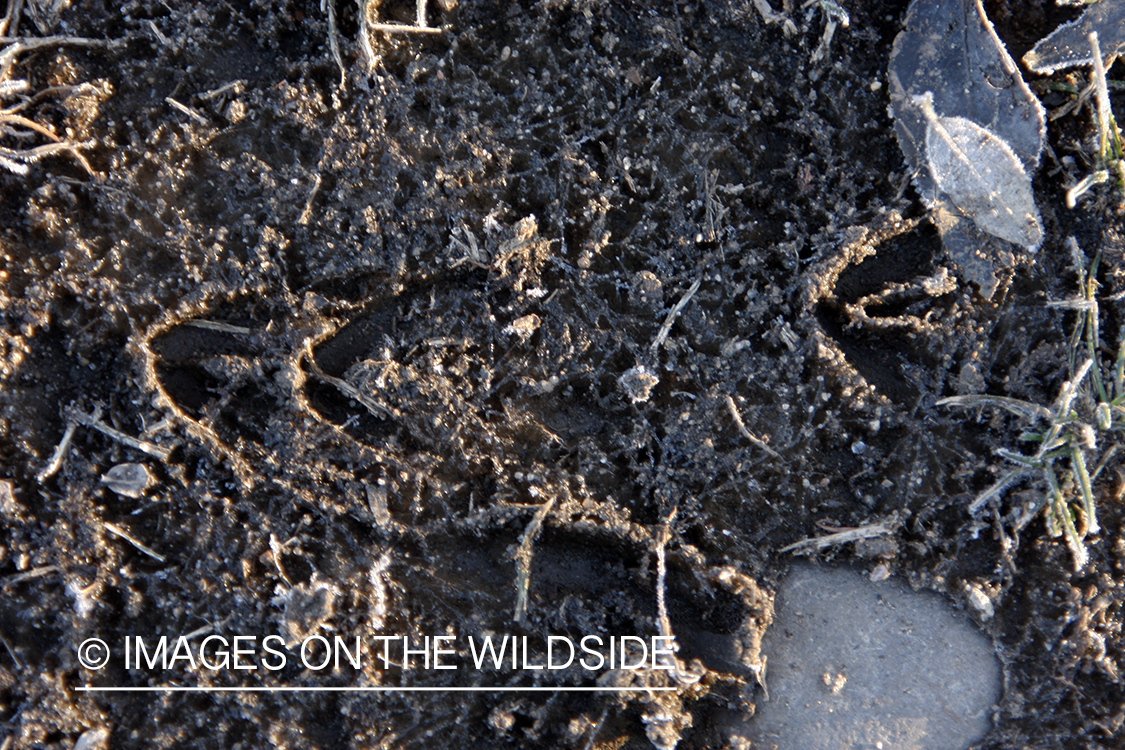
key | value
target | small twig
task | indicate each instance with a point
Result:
(835, 14)
(523, 558)
(15, 657)
(204, 630)
(76, 89)
(831, 9)
(825, 42)
(17, 159)
(20, 44)
(6, 117)
(118, 531)
(276, 549)
(664, 624)
(998, 488)
(164, 41)
(306, 215)
(94, 422)
(218, 325)
(1016, 406)
(334, 38)
(190, 112)
(215, 93)
(662, 334)
(365, 33)
(29, 575)
(59, 454)
(402, 28)
(593, 732)
(745, 432)
(34, 42)
(1079, 305)
(377, 410)
(841, 537)
(769, 16)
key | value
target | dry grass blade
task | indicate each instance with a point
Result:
(1013, 405)
(94, 422)
(1070, 389)
(123, 534)
(841, 537)
(523, 559)
(662, 334)
(13, 124)
(998, 489)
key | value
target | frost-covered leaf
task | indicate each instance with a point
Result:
(949, 49)
(1068, 46)
(982, 176)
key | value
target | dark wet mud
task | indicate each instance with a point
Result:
(457, 347)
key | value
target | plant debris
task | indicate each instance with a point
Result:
(1068, 45)
(982, 176)
(949, 51)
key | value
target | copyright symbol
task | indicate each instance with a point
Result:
(93, 653)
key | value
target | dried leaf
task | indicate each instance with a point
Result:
(982, 176)
(1068, 47)
(950, 49)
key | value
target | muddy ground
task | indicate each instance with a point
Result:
(396, 346)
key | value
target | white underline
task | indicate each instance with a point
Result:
(294, 689)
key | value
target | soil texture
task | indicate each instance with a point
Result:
(566, 320)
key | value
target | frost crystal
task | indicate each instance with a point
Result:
(637, 383)
(129, 480)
